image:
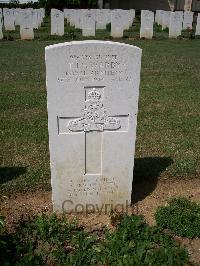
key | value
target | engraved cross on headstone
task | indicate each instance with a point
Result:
(94, 121)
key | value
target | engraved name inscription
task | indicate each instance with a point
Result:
(81, 68)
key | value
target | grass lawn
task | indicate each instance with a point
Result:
(168, 122)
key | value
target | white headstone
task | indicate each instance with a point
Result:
(126, 19)
(147, 22)
(72, 19)
(26, 26)
(131, 16)
(40, 16)
(101, 19)
(117, 23)
(67, 14)
(92, 95)
(100, 4)
(35, 19)
(166, 19)
(160, 17)
(43, 12)
(57, 22)
(17, 16)
(1, 15)
(197, 32)
(1, 25)
(175, 25)
(89, 23)
(188, 5)
(157, 16)
(9, 19)
(78, 16)
(187, 20)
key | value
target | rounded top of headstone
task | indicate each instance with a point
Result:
(92, 42)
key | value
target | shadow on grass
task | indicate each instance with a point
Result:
(8, 173)
(145, 175)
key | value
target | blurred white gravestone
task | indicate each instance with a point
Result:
(57, 22)
(166, 19)
(126, 19)
(147, 21)
(35, 19)
(78, 15)
(18, 16)
(160, 17)
(100, 4)
(188, 5)
(67, 14)
(92, 99)
(101, 19)
(1, 25)
(9, 19)
(43, 12)
(175, 25)
(41, 16)
(157, 16)
(117, 23)
(89, 23)
(131, 16)
(197, 32)
(71, 16)
(26, 26)
(187, 20)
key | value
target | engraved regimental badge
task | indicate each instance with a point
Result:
(95, 117)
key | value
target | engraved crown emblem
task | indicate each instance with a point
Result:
(94, 95)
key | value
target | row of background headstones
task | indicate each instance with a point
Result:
(90, 20)
(28, 20)
(177, 21)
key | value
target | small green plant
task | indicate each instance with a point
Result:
(181, 216)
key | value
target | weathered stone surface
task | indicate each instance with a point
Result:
(92, 95)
